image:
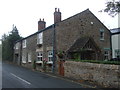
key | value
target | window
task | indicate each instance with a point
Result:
(40, 38)
(23, 59)
(50, 55)
(24, 43)
(106, 55)
(29, 57)
(117, 53)
(101, 34)
(39, 56)
(17, 46)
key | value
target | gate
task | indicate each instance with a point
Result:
(61, 67)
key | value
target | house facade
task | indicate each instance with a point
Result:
(115, 37)
(81, 36)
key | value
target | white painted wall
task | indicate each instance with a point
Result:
(115, 43)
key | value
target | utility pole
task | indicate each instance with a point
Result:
(54, 49)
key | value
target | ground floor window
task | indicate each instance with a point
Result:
(50, 55)
(23, 59)
(106, 55)
(39, 56)
(117, 53)
(29, 57)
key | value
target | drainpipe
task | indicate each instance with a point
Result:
(54, 57)
(20, 52)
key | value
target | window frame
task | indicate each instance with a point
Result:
(40, 38)
(29, 57)
(106, 54)
(17, 46)
(40, 55)
(50, 55)
(24, 42)
(102, 34)
(24, 59)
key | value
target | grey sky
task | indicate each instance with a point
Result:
(26, 13)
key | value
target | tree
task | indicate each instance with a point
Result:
(8, 44)
(112, 7)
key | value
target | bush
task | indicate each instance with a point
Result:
(98, 62)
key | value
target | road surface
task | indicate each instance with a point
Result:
(14, 76)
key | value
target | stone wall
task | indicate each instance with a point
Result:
(102, 74)
(69, 30)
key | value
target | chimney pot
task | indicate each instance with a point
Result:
(57, 15)
(55, 9)
(40, 19)
(41, 24)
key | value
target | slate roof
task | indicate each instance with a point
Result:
(51, 26)
(79, 44)
(115, 31)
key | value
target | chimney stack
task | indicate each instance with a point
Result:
(57, 15)
(41, 24)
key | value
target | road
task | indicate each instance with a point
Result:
(14, 76)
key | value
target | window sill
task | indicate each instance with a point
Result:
(39, 61)
(50, 62)
(102, 39)
(23, 61)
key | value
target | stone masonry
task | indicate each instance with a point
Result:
(102, 74)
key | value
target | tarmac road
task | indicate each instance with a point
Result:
(14, 76)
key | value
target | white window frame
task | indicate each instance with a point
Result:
(17, 46)
(39, 57)
(40, 38)
(50, 57)
(24, 43)
(23, 59)
(29, 57)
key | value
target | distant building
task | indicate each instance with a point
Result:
(115, 37)
(81, 36)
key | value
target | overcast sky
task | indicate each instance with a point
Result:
(26, 13)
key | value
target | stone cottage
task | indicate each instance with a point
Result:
(81, 36)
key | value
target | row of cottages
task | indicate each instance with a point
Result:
(81, 36)
(115, 37)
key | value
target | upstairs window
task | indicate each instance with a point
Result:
(40, 38)
(17, 46)
(101, 34)
(24, 43)
(50, 55)
(39, 56)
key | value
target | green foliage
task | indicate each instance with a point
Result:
(98, 61)
(76, 56)
(8, 42)
(112, 7)
(34, 64)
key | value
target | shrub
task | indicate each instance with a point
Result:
(98, 62)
